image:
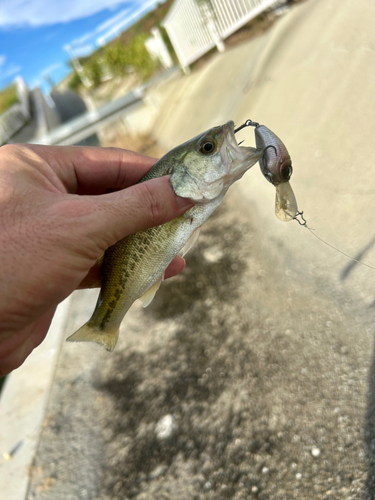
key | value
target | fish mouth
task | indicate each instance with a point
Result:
(229, 135)
(238, 159)
(230, 138)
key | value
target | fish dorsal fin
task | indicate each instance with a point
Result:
(190, 242)
(148, 297)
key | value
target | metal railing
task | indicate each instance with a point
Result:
(85, 125)
(196, 26)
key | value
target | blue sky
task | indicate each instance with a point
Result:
(33, 33)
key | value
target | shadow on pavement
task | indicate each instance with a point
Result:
(370, 431)
(353, 263)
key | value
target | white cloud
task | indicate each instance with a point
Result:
(2, 60)
(15, 13)
(103, 26)
(51, 68)
(111, 28)
(11, 70)
(82, 39)
(117, 27)
(111, 21)
(45, 12)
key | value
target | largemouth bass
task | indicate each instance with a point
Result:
(202, 170)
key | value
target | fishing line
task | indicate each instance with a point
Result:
(304, 224)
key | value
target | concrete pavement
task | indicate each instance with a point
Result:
(23, 405)
(310, 79)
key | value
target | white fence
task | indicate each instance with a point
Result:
(158, 50)
(196, 26)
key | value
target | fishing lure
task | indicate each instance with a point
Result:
(276, 166)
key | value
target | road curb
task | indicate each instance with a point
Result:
(22, 407)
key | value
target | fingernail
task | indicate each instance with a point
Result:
(184, 203)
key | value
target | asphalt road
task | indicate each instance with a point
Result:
(260, 355)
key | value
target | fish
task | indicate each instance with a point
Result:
(276, 166)
(202, 170)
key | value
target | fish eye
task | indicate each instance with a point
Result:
(207, 147)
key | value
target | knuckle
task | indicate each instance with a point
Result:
(154, 204)
(11, 150)
(14, 148)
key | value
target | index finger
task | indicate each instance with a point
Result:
(94, 170)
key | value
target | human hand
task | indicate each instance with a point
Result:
(60, 209)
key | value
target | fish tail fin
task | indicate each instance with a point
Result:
(88, 333)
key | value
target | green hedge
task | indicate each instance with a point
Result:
(117, 59)
(8, 97)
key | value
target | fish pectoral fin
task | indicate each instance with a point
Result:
(148, 297)
(87, 333)
(190, 242)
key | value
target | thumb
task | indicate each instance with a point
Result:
(139, 207)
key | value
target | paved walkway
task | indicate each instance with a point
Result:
(310, 79)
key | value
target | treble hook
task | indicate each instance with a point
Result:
(248, 123)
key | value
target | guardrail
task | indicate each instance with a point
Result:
(89, 123)
(83, 126)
